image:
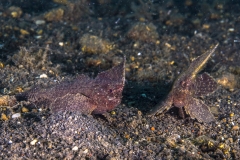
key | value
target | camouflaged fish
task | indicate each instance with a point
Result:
(83, 94)
(187, 87)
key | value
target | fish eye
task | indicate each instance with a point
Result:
(185, 83)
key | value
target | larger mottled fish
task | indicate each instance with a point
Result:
(83, 94)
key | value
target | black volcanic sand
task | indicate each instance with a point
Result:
(159, 39)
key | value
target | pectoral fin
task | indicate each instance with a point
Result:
(73, 102)
(197, 109)
(205, 84)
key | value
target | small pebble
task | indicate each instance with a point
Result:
(33, 142)
(61, 43)
(4, 117)
(221, 145)
(231, 114)
(1, 64)
(38, 37)
(24, 109)
(16, 115)
(43, 76)
(24, 32)
(234, 128)
(39, 22)
(113, 113)
(75, 148)
(85, 151)
(10, 142)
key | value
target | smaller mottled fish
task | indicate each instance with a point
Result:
(83, 94)
(187, 87)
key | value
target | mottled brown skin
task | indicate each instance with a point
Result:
(84, 94)
(187, 88)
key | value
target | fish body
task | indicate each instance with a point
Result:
(83, 94)
(187, 88)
